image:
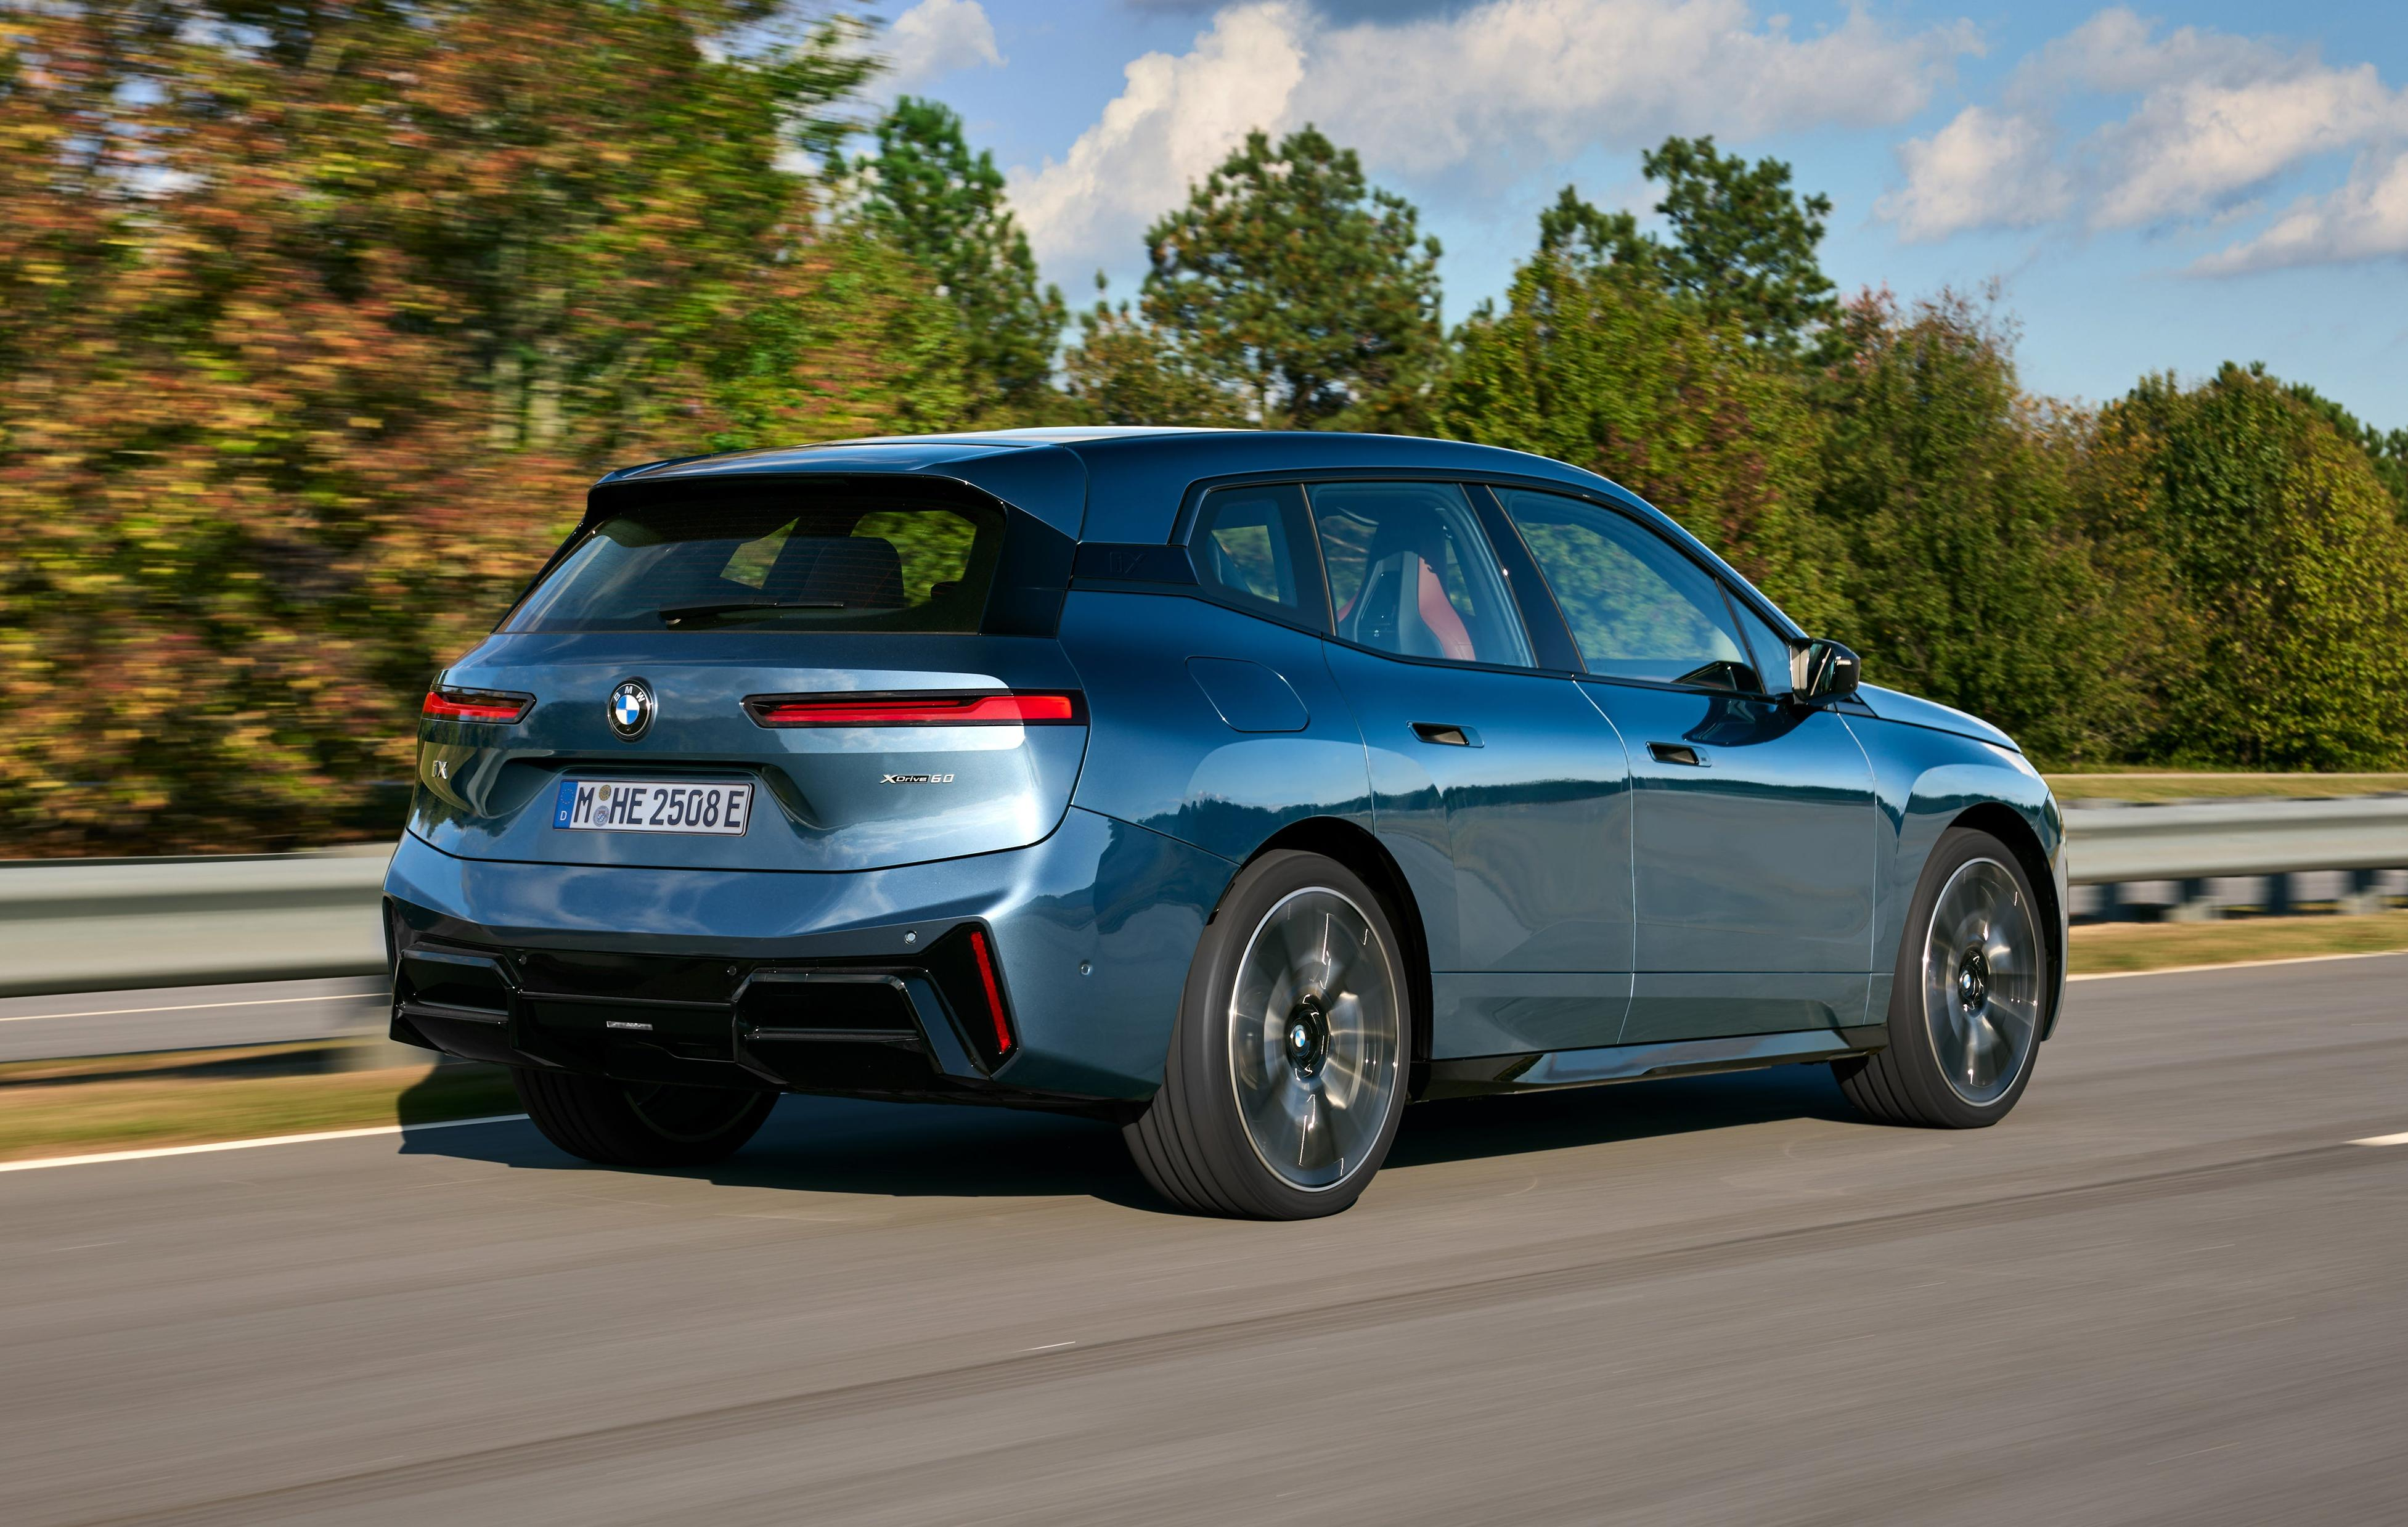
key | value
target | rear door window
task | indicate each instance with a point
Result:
(1412, 573)
(1253, 547)
(1637, 608)
(787, 558)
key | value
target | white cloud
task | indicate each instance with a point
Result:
(936, 38)
(1985, 168)
(2367, 219)
(2194, 146)
(2219, 120)
(1494, 88)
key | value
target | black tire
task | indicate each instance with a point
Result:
(1907, 1082)
(1196, 1143)
(628, 1124)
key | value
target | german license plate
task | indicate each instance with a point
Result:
(653, 806)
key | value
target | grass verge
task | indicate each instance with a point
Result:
(73, 1107)
(2206, 786)
(2103, 948)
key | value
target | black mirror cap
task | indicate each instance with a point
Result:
(1828, 670)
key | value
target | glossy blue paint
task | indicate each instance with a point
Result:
(1249, 696)
(1128, 902)
(1591, 908)
(820, 805)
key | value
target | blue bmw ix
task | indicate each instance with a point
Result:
(1237, 787)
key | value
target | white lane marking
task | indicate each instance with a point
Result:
(2382, 1139)
(196, 1007)
(2237, 965)
(250, 1145)
(1049, 1347)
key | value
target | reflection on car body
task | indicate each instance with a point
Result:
(1251, 785)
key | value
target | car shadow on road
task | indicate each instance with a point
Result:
(913, 1150)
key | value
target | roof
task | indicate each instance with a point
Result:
(1114, 483)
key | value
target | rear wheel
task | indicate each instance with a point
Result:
(1965, 1005)
(1286, 1078)
(631, 1124)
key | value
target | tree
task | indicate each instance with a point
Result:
(1969, 573)
(2284, 542)
(928, 194)
(1124, 371)
(1289, 280)
(1743, 248)
(1594, 364)
(317, 319)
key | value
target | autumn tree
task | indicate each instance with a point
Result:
(320, 317)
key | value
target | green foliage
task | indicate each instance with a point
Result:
(1743, 247)
(1124, 371)
(1593, 363)
(1968, 574)
(317, 319)
(2286, 546)
(928, 195)
(1290, 281)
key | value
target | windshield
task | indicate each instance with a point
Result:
(788, 558)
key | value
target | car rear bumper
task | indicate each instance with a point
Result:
(857, 983)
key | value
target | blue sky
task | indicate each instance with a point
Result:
(2154, 188)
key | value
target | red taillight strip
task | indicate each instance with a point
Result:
(994, 994)
(474, 705)
(1019, 708)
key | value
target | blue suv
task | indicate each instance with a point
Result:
(1237, 788)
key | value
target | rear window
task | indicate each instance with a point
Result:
(779, 559)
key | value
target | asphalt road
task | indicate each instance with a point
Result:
(2167, 1290)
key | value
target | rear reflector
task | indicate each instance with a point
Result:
(1020, 708)
(994, 993)
(492, 705)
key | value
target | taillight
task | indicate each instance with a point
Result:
(490, 705)
(1025, 708)
(994, 993)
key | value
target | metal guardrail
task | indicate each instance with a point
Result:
(2108, 844)
(103, 925)
(99, 925)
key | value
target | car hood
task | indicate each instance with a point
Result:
(1890, 705)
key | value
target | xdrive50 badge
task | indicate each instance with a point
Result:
(915, 779)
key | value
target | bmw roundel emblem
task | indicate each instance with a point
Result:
(631, 709)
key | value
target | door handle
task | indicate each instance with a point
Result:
(1676, 753)
(1446, 734)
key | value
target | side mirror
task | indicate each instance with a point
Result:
(1826, 670)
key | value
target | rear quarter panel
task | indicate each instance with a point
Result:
(1160, 753)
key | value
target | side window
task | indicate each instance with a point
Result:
(1412, 573)
(1252, 544)
(1771, 652)
(1637, 607)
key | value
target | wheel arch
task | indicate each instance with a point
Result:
(2009, 827)
(1363, 854)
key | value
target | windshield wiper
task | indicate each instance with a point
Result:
(712, 612)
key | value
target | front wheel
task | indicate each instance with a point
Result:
(1284, 1082)
(631, 1124)
(1966, 1002)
